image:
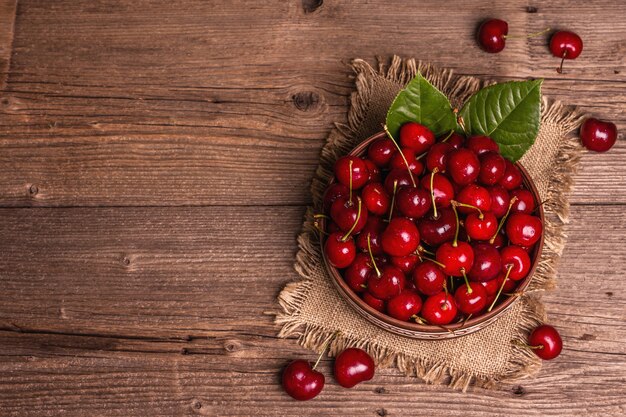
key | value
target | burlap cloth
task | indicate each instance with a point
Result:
(312, 309)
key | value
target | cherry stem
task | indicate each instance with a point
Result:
(393, 199)
(448, 137)
(408, 167)
(531, 35)
(469, 289)
(460, 121)
(434, 261)
(466, 320)
(458, 204)
(324, 347)
(455, 242)
(503, 219)
(320, 216)
(356, 221)
(451, 283)
(508, 271)
(369, 249)
(316, 224)
(350, 195)
(518, 343)
(432, 190)
(421, 249)
(560, 68)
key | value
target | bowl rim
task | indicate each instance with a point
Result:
(413, 328)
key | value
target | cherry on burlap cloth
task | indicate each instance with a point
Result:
(311, 307)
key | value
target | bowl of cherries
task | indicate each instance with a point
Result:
(427, 237)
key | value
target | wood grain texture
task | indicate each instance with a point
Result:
(113, 98)
(148, 298)
(155, 159)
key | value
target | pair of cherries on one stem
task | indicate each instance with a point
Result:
(493, 33)
(303, 382)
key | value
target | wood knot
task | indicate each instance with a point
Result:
(615, 71)
(232, 346)
(609, 293)
(587, 336)
(531, 9)
(382, 412)
(184, 351)
(126, 261)
(519, 391)
(188, 338)
(33, 190)
(309, 6)
(197, 405)
(380, 390)
(306, 100)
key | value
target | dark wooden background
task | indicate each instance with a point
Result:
(155, 159)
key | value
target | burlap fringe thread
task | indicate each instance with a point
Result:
(522, 362)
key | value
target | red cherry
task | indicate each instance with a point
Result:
(401, 237)
(499, 200)
(416, 136)
(380, 151)
(492, 167)
(374, 229)
(437, 156)
(401, 176)
(523, 229)
(474, 195)
(301, 381)
(525, 202)
(481, 144)
(491, 286)
(517, 259)
(339, 253)
(404, 306)
(455, 259)
(359, 171)
(512, 177)
(492, 35)
(499, 241)
(375, 303)
(443, 190)
(333, 192)
(439, 309)
(598, 135)
(429, 278)
(353, 366)
(373, 170)
(356, 274)
(509, 285)
(463, 166)
(390, 283)
(413, 202)
(546, 342)
(397, 162)
(481, 229)
(375, 198)
(406, 263)
(346, 213)
(487, 263)
(565, 45)
(436, 230)
(471, 302)
(456, 140)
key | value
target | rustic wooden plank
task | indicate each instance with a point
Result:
(178, 272)
(7, 20)
(172, 95)
(233, 377)
(175, 170)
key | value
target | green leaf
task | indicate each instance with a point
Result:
(509, 113)
(421, 102)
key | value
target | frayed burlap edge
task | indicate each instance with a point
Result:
(522, 363)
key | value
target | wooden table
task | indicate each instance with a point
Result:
(155, 159)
